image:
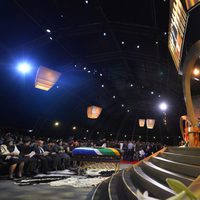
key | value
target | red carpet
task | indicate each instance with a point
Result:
(128, 162)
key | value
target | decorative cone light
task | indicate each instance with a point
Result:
(150, 123)
(46, 78)
(141, 122)
(93, 112)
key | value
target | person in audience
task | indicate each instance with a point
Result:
(30, 160)
(42, 156)
(11, 155)
(130, 151)
(53, 156)
(65, 158)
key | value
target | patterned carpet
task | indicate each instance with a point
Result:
(62, 185)
(67, 177)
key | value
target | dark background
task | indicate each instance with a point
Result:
(77, 29)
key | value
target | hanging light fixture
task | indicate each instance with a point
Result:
(150, 123)
(141, 122)
(93, 112)
(46, 78)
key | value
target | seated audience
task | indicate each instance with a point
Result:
(28, 154)
(11, 155)
(65, 158)
(42, 156)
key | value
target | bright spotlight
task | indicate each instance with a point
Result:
(24, 67)
(196, 71)
(74, 127)
(48, 30)
(56, 124)
(163, 106)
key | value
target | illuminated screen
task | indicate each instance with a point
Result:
(177, 26)
(191, 3)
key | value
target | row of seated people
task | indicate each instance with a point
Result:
(29, 158)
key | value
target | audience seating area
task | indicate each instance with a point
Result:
(28, 156)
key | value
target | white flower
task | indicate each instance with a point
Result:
(144, 196)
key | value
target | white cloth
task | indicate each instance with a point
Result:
(41, 150)
(4, 150)
(104, 145)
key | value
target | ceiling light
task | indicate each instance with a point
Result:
(196, 71)
(48, 30)
(102, 86)
(125, 135)
(86, 1)
(152, 92)
(56, 123)
(156, 42)
(84, 138)
(84, 68)
(50, 38)
(30, 130)
(154, 137)
(111, 134)
(128, 110)
(61, 16)
(131, 85)
(138, 46)
(87, 131)
(122, 105)
(165, 33)
(140, 136)
(24, 67)
(114, 97)
(159, 96)
(163, 106)
(104, 34)
(57, 86)
(122, 42)
(101, 74)
(167, 137)
(74, 127)
(74, 65)
(97, 132)
(89, 71)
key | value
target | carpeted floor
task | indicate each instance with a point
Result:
(11, 190)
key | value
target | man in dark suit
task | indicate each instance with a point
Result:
(28, 154)
(42, 155)
(53, 150)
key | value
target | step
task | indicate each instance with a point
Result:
(160, 174)
(184, 150)
(101, 191)
(180, 168)
(115, 188)
(154, 188)
(128, 184)
(188, 159)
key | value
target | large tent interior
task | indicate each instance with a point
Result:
(109, 80)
